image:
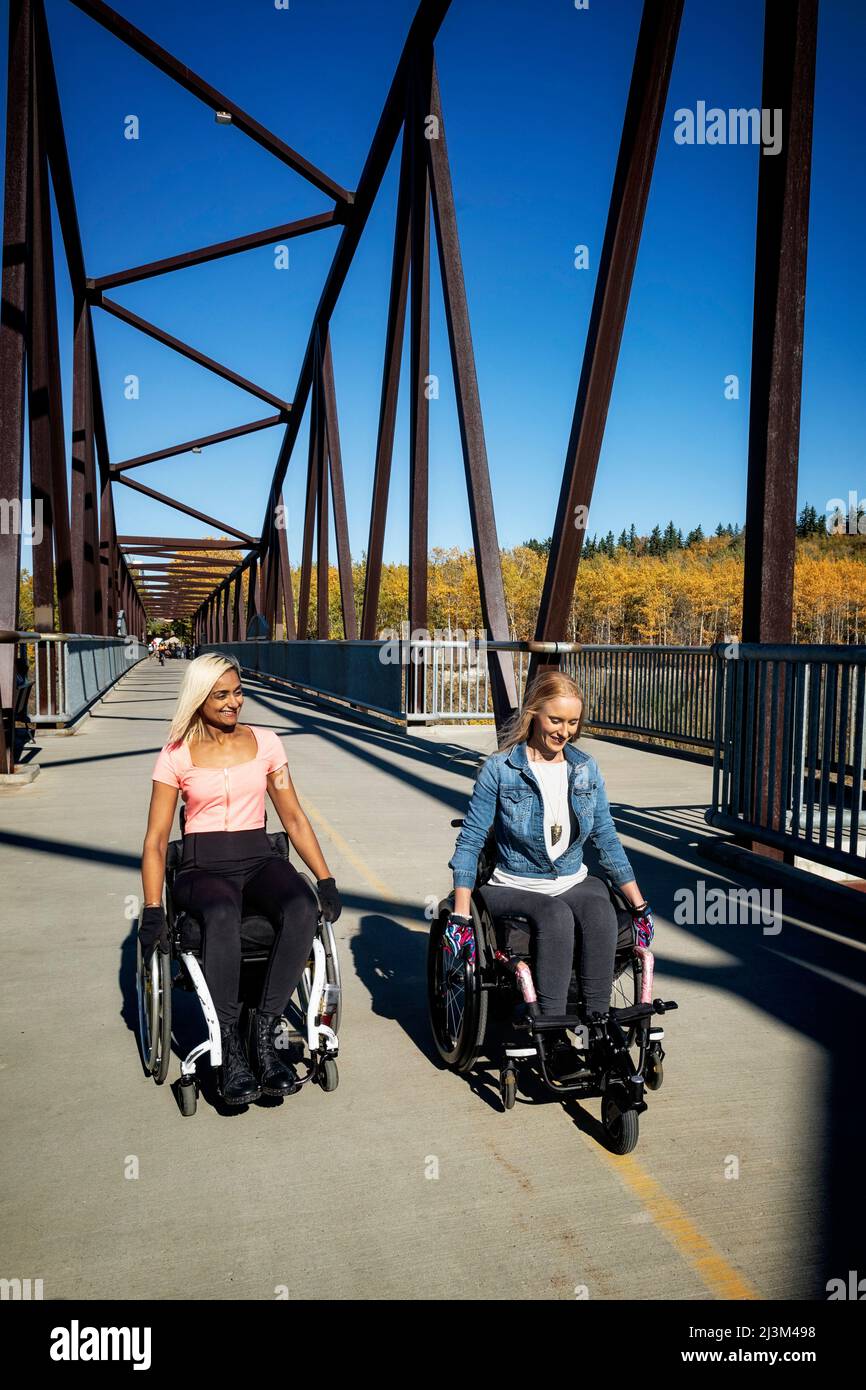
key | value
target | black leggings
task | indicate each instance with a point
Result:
(586, 907)
(227, 875)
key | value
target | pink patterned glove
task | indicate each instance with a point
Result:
(459, 933)
(644, 926)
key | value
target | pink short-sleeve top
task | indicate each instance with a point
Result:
(222, 798)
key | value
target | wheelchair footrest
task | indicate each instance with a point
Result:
(547, 1023)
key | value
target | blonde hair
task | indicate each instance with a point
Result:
(548, 684)
(199, 679)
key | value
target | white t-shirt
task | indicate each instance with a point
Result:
(552, 777)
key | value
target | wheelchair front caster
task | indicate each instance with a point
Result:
(329, 1077)
(187, 1095)
(620, 1126)
(654, 1073)
(508, 1087)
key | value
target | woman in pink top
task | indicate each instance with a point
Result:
(222, 769)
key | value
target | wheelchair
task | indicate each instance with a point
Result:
(312, 1017)
(490, 980)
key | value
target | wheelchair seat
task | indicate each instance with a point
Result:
(257, 933)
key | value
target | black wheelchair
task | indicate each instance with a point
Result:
(488, 981)
(312, 1018)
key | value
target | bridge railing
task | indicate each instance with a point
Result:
(71, 670)
(790, 750)
(662, 692)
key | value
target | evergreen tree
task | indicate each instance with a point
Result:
(632, 539)
(695, 536)
(622, 543)
(540, 547)
(654, 544)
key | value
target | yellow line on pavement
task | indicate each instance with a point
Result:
(712, 1268)
(346, 850)
(722, 1280)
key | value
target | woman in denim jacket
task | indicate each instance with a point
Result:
(545, 797)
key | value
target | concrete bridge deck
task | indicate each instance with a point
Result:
(407, 1182)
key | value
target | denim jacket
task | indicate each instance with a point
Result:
(507, 796)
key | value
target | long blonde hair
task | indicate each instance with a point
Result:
(548, 684)
(199, 679)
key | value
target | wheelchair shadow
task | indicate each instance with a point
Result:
(391, 961)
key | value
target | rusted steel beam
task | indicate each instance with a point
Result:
(252, 608)
(425, 25)
(17, 227)
(85, 537)
(217, 250)
(790, 41)
(107, 527)
(186, 542)
(205, 439)
(341, 525)
(645, 106)
(190, 511)
(203, 570)
(45, 356)
(790, 37)
(286, 578)
(481, 514)
(388, 403)
(40, 374)
(236, 633)
(323, 620)
(191, 353)
(58, 157)
(305, 579)
(419, 105)
(217, 101)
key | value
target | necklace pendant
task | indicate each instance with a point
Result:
(555, 832)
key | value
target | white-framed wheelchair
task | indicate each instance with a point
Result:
(310, 1024)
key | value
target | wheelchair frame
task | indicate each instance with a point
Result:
(487, 969)
(154, 987)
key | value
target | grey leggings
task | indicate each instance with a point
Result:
(586, 907)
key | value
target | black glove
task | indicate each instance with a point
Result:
(152, 932)
(329, 899)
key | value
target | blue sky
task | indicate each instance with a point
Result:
(533, 93)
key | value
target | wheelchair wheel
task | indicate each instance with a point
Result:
(626, 988)
(154, 1013)
(457, 1004)
(332, 975)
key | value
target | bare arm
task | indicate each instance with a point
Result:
(163, 800)
(296, 825)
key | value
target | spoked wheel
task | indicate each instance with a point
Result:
(154, 1013)
(626, 988)
(620, 1126)
(332, 977)
(456, 1003)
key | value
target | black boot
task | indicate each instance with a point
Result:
(276, 1077)
(237, 1085)
(564, 1060)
